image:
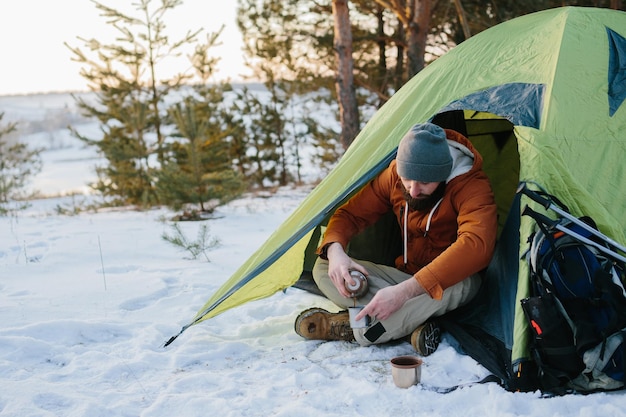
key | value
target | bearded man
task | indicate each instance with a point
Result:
(447, 215)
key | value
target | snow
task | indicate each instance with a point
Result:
(88, 300)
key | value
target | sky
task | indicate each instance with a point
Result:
(33, 32)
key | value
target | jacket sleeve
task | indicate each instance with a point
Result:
(475, 243)
(362, 210)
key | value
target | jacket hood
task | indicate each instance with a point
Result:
(465, 158)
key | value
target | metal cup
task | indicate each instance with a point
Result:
(357, 324)
(406, 371)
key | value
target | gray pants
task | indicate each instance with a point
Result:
(410, 316)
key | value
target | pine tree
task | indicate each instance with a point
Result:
(258, 148)
(272, 127)
(18, 164)
(197, 167)
(130, 98)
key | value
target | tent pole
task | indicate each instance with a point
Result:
(547, 204)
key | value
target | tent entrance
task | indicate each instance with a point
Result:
(483, 328)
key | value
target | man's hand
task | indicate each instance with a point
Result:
(339, 266)
(388, 300)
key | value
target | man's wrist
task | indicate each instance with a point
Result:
(412, 288)
(324, 250)
(334, 248)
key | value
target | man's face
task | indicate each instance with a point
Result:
(422, 195)
(417, 189)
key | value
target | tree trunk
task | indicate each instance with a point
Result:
(344, 81)
(399, 72)
(462, 19)
(419, 25)
(382, 45)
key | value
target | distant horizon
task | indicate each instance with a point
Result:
(60, 92)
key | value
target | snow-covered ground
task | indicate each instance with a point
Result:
(87, 302)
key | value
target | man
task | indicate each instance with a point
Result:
(446, 211)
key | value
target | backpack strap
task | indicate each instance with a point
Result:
(546, 226)
(446, 390)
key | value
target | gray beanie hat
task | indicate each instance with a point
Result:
(423, 154)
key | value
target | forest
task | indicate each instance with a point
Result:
(191, 141)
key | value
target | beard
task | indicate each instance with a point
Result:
(424, 202)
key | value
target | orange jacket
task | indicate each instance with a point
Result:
(461, 236)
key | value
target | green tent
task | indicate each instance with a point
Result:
(541, 97)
